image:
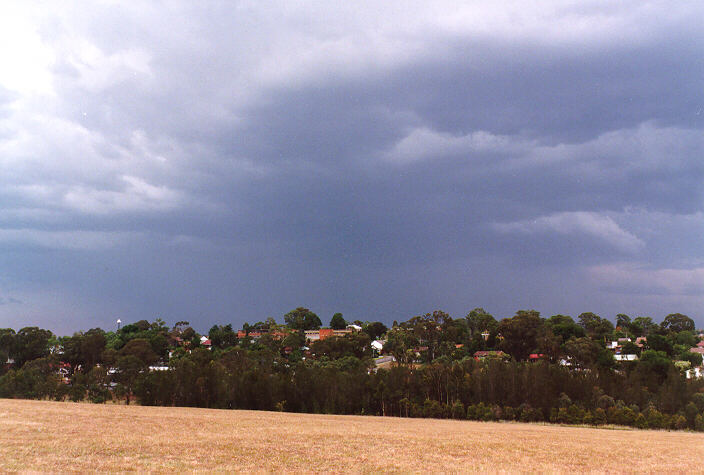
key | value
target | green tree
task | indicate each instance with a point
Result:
(565, 327)
(302, 319)
(655, 364)
(375, 330)
(400, 343)
(690, 412)
(659, 343)
(129, 367)
(140, 349)
(597, 328)
(337, 322)
(8, 342)
(479, 321)
(623, 321)
(643, 326)
(31, 343)
(677, 322)
(520, 333)
(584, 352)
(630, 348)
(222, 336)
(599, 416)
(92, 347)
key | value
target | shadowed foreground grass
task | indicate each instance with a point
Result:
(53, 436)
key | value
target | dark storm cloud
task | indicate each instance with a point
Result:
(230, 162)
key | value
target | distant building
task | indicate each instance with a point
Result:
(205, 342)
(377, 345)
(256, 334)
(482, 354)
(694, 373)
(323, 333)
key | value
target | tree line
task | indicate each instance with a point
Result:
(554, 369)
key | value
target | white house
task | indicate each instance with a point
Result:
(377, 345)
(694, 373)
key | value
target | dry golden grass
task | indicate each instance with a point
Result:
(53, 436)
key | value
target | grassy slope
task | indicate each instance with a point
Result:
(52, 436)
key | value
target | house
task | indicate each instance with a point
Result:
(377, 345)
(641, 341)
(63, 369)
(205, 342)
(612, 345)
(383, 362)
(621, 357)
(566, 361)
(256, 334)
(320, 334)
(482, 354)
(324, 333)
(694, 373)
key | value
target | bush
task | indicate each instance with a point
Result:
(497, 412)
(457, 410)
(698, 400)
(599, 416)
(679, 422)
(433, 409)
(605, 402)
(509, 413)
(485, 412)
(699, 423)
(655, 419)
(640, 421)
(554, 412)
(627, 416)
(575, 414)
(690, 412)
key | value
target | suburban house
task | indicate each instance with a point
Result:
(324, 333)
(256, 334)
(205, 342)
(694, 373)
(383, 362)
(482, 354)
(617, 345)
(377, 346)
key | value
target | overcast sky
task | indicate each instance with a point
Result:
(222, 162)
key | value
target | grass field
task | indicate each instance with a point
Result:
(54, 436)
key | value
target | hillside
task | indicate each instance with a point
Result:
(55, 436)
